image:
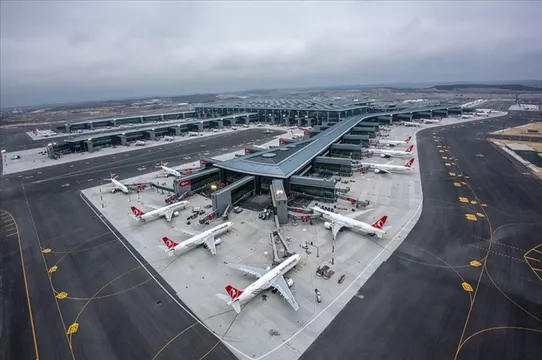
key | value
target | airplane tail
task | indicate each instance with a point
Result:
(170, 244)
(409, 163)
(112, 176)
(232, 298)
(408, 139)
(409, 148)
(136, 211)
(379, 224)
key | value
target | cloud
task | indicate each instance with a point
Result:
(71, 51)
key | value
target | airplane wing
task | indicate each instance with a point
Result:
(358, 213)
(168, 215)
(335, 228)
(188, 232)
(154, 207)
(382, 170)
(210, 243)
(257, 272)
(284, 290)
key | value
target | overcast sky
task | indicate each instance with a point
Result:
(72, 51)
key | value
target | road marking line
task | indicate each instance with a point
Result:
(538, 251)
(530, 258)
(498, 253)
(15, 233)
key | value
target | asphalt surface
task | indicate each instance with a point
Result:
(415, 305)
(122, 312)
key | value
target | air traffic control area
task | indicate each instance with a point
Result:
(302, 168)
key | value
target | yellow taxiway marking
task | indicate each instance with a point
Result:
(463, 199)
(439, 146)
(444, 158)
(484, 205)
(464, 183)
(473, 202)
(530, 258)
(64, 185)
(447, 164)
(460, 175)
(89, 180)
(72, 329)
(53, 269)
(441, 151)
(475, 263)
(61, 295)
(46, 251)
(471, 217)
(453, 163)
(467, 177)
(480, 215)
(456, 184)
(452, 174)
(71, 165)
(140, 169)
(466, 286)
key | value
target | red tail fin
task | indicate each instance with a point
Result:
(379, 224)
(408, 139)
(410, 148)
(233, 292)
(136, 211)
(409, 163)
(169, 243)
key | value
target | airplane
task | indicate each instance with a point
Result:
(387, 168)
(395, 142)
(266, 278)
(118, 185)
(169, 171)
(45, 133)
(431, 121)
(206, 239)
(337, 221)
(392, 153)
(168, 211)
(411, 123)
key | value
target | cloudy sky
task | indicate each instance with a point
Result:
(72, 51)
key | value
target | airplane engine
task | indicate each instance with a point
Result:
(385, 156)
(377, 171)
(113, 190)
(290, 282)
(218, 241)
(175, 213)
(327, 225)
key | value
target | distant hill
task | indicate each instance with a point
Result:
(509, 87)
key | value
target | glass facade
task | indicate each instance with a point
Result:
(357, 155)
(336, 169)
(242, 191)
(326, 193)
(200, 182)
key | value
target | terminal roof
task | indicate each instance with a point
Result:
(286, 160)
(85, 121)
(148, 127)
(294, 104)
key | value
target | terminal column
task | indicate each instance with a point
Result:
(141, 119)
(91, 125)
(67, 128)
(151, 135)
(220, 124)
(178, 130)
(200, 127)
(90, 146)
(232, 121)
(123, 141)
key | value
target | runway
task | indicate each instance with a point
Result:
(456, 288)
(79, 272)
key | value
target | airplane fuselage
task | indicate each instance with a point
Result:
(151, 215)
(120, 186)
(350, 223)
(170, 171)
(199, 239)
(267, 280)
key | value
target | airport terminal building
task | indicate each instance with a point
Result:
(299, 167)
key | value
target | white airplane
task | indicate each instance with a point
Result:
(206, 239)
(45, 133)
(167, 211)
(431, 121)
(337, 221)
(387, 168)
(169, 171)
(411, 123)
(266, 278)
(118, 185)
(394, 142)
(392, 153)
